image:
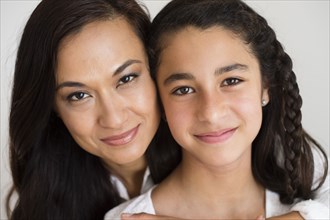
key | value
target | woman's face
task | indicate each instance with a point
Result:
(210, 86)
(105, 95)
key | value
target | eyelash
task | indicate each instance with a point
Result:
(123, 80)
(179, 91)
(229, 81)
(78, 96)
(73, 96)
(184, 90)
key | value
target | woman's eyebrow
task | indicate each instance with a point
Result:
(69, 84)
(122, 67)
(117, 71)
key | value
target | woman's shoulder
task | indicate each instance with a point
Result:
(142, 203)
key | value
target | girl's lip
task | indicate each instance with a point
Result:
(121, 139)
(217, 136)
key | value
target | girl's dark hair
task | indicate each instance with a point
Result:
(53, 177)
(282, 152)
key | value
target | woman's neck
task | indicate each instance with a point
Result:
(203, 191)
(131, 175)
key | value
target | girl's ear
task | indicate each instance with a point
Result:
(264, 97)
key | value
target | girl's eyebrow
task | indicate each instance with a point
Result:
(187, 76)
(120, 69)
(229, 68)
(178, 76)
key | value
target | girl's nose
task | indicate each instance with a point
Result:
(212, 107)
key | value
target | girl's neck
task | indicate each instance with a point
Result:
(130, 174)
(203, 191)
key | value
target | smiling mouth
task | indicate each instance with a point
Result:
(216, 137)
(121, 139)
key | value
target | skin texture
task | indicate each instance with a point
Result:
(211, 92)
(106, 97)
(211, 89)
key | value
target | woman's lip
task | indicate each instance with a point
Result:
(217, 136)
(121, 139)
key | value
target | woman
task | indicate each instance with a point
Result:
(232, 102)
(84, 111)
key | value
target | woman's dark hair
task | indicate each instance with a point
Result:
(282, 151)
(53, 177)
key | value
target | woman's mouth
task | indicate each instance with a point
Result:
(121, 139)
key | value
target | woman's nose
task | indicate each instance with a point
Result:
(112, 113)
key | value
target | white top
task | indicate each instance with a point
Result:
(309, 209)
(147, 184)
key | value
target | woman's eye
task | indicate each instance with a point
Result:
(183, 91)
(231, 81)
(127, 79)
(77, 96)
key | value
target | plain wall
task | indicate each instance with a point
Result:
(301, 26)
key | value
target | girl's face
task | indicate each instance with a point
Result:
(211, 89)
(105, 95)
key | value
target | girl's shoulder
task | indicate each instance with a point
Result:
(320, 163)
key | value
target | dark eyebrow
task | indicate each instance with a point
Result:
(125, 65)
(69, 84)
(178, 76)
(117, 71)
(229, 68)
(187, 76)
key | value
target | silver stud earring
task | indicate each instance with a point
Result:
(263, 102)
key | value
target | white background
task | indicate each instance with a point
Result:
(301, 26)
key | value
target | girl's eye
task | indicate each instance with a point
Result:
(183, 91)
(77, 96)
(127, 79)
(231, 81)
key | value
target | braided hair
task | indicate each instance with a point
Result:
(282, 158)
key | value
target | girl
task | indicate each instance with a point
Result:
(232, 102)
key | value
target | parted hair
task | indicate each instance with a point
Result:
(53, 176)
(282, 158)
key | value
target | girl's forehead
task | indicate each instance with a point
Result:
(204, 50)
(193, 39)
(180, 36)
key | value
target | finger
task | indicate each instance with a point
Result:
(145, 216)
(260, 217)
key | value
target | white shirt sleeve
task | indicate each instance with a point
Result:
(312, 209)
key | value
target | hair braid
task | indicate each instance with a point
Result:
(293, 133)
(282, 157)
